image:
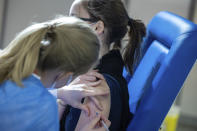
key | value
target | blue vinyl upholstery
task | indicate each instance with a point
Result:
(170, 50)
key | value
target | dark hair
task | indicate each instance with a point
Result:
(116, 20)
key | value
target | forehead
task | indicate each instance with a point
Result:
(78, 10)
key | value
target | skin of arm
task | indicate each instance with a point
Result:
(104, 100)
(74, 92)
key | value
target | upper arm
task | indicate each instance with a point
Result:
(105, 101)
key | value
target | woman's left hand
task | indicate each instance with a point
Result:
(91, 78)
(73, 94)
(95, 124)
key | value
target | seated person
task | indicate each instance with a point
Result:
(111, 22)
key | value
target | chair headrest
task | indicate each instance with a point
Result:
(166, 27)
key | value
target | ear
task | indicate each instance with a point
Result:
(99, 27)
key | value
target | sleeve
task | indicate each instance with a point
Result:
(48, 114)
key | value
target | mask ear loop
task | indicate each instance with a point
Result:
(69, 80)
(53, 85)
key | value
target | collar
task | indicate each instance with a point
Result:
(36, 76)
(111, 63)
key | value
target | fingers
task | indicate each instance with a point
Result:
(97, 103)
(96, 70)
(84, 108)
(90, 83)
(94, 84)
(90, 91)
(91, 125)
(92, 76)
(96, 74)
(95, 121)
(87, 77)
(106, 121)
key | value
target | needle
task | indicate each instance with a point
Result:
(105, 126)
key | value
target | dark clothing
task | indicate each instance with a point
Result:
(111, 66)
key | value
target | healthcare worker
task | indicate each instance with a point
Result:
(37, 59)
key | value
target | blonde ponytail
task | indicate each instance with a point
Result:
(20, 58)
(65, 43)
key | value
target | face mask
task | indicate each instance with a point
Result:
(69, 80)
(54, 84)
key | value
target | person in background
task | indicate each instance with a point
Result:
(112, 23)
(38, 58)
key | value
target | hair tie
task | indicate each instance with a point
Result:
(49, 36)
(130, 21)
(51, 27)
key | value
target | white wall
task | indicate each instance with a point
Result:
(1, 13)
(195, 13)
(1, 18)
(146, 9)
(21, 13)
(189, 94)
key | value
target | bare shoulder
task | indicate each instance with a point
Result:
(104, 100)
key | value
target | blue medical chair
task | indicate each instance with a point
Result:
(170, 50)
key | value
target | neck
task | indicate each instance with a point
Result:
(104, 50)
(104, 47)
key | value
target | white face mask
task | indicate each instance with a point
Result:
(54, 84)
(69, 80)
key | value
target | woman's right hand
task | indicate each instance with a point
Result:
(95, 124)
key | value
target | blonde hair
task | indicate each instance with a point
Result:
(65, 43)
